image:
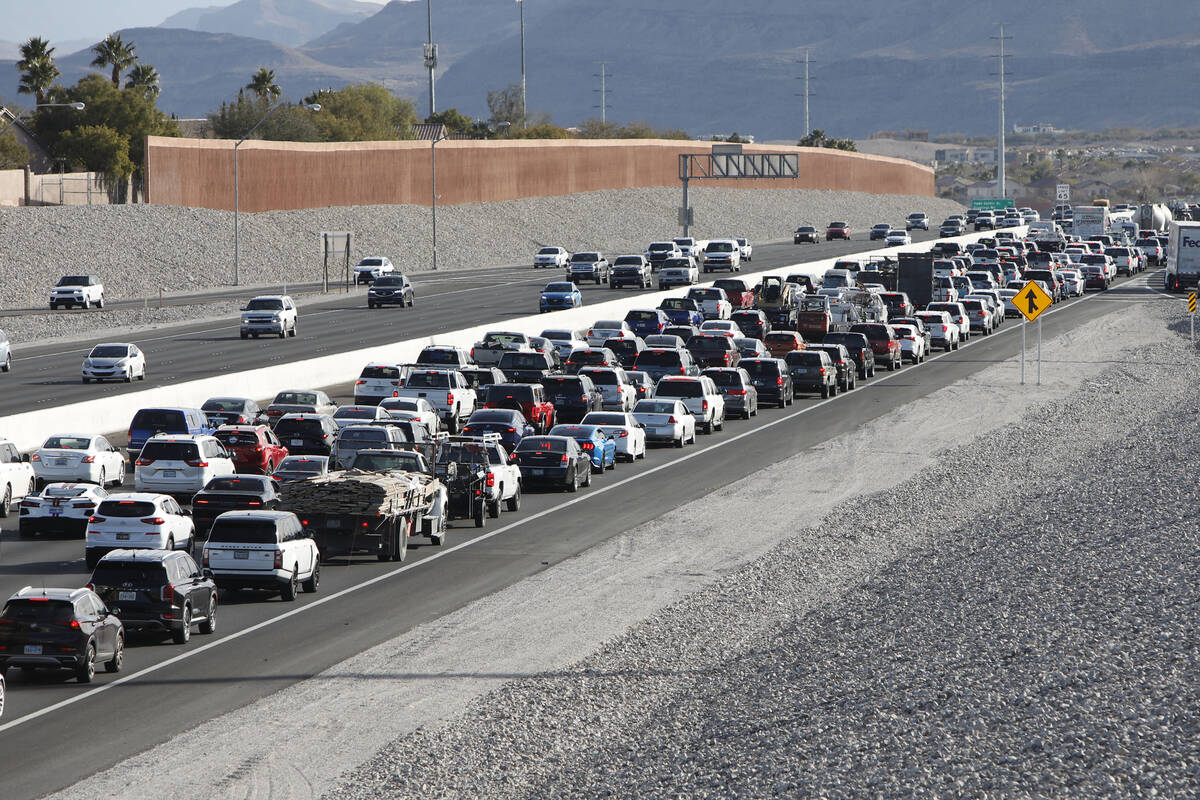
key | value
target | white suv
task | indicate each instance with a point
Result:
(180, 464)
(372, 267)
(262, 550)
(77, 290)
(917, 219)
(137, 521)
(269, 313)
(701, 396)
(16, 477)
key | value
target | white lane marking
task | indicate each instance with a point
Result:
(484, 537)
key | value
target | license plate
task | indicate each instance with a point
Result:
(168, 473)
(127, 596)
(60, 462)
(297, 442)
(121, 537)
(537, 472)
(33, 649)
(241, 554)
(56, 512)
(333, 523)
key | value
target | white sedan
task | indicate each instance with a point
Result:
(79, 457)
(60, 508)
(137, 520)
(722, 326)
(897, 238)
(666, 420)
(552, 257)
(747, 249)
(114, 361)
(606, 329)
(623, 429)
(417, 409)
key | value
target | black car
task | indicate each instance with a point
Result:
(626, 350)
(231, 411)
(714, 350)
(590, 357)
(509, 423)
(806, 233)
(233, 493)
(842, 362)
(659, 362)
(738, 390)
(812, 371)
(307, 434)
(684, 332)
(573, 396)
(60, 629)
(859, 348)
(479, 377)
(771, 378)
(390, 290)
(157, 591)
(754, 324)
(553, 461)
(518, 367)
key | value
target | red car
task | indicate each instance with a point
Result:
(837, 230)
(253, 448)
(884, 343)
(780, 343)
(528, 398)
(740, 295)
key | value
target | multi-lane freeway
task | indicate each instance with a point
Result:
(262, 646)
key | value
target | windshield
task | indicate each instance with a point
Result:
(761, 368)
(724, 377)
(109, 351)
(658, 358)
(548, 251)
(385, 373)
(660, 247)
(628, 261)
(239, 484)
(299, 427)
(565, 288)
(39, 611)
(265, 304)
(68, 443)
(432, 355)
(73, 280)
(389, 280)
(300, 464)
(169, 451)
(371, 262)
(355, 412)
(720, 247)
(534, 444)
(363, 435)
(224, 404)
(603, 377)
(296, 398)
(523, 361)
(504, 338)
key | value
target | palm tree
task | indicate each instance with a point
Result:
(34, 50)
(263, 84)
(37, 78)
(146, 78)
(116, 53)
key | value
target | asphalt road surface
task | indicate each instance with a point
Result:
(263, 645)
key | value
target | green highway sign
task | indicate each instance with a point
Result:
(992, 203)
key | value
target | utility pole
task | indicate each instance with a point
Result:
(431, 56)
(603, 75)
(806, 93)
(1001, 186)
(524, 108)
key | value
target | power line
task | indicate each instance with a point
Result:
(603, 75)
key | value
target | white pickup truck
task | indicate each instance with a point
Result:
(487, 352)
(445, 390)
(77, 290)
(16, 477)
(504, 477)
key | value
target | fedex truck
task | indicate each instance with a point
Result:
(1183, 256)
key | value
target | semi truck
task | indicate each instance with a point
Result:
(1153, 217)
(1183, 256)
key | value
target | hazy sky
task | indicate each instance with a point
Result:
(69, 20)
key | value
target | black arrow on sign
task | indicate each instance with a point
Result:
(1033, 303)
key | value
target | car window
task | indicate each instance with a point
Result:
(243, 531)
(169, 451)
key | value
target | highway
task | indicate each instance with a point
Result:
(48, 375)
(262, 646)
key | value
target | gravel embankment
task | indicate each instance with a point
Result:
(1018, 620)
(138, 249)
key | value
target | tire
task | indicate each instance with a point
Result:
(86, 304)
(573, 486)
(170, 543)
(891, 366)
(282, 333)
(183, 633)
(118, 660)
(824, 391)
(245, 336)
(129, 375)
(370, 305)
(103, 475)
(291, 588)
(947, 347)
(86, 670)
(478, 514)
(493, 508)
(514, 503)
(613, 465)
(6, 502)
(871, 374)
(100, 302)
(91, 558)
(293, 332)
(142, 376)
(313, 581)
(209, 625)
(956, 344)
(7, 366)
(679, 441)
(587, 481)
(87, 380)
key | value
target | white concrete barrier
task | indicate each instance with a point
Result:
(28, 430)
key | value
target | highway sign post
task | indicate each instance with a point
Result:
(1031, 301)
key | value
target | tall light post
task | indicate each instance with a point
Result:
(236, 193)
(15, 118)
(433, 182)
(524, 113)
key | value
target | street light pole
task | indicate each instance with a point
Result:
(15, 118)
(433, 198)
(236, 185)
(524, 112)
(430, 56)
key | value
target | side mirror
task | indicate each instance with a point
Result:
(112, 612)
(25, 457)
(187, 512)
(242, 308)
(207, 573)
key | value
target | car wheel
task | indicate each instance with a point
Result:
(573, 486)
(6, 502)
(613, 464)
(291, 588)
(314, 580)
(514, 503)
(370, 304)
(210, 624)
(86, 670)
(183, 633)
(100, 302)
(245, 336)
(282, 332)
(7, 366)
(493, 508)
(871, 374)
(479, 513)
(679, 441)
(293, 332)
(825, 391)
(86, 304)
(129, 375)
(142, 374)
(118, 660)
(891, 366)
(956, 344)
(946, 348)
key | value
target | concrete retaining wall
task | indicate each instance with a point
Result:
(51, 189)
(292, 175)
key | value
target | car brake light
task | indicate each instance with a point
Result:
(196, 463)
(279, 558)
(704, 405)
(30, 504)
(96, 519)
(779, 381)
(198, 501)
(672, 419)
(359, 382)
(491, 479)
(254, 502)
(168, 594)
(153, 521)
(822, 370)
(73, 624)
(738, 392)
(144, 462)
(449, 397)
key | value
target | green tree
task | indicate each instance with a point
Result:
(505, 106)
(594, 128)
(116, 53)
(540, 130)
(817, 138)
(286, 123)
(364, 113)
(454, 120)
(37, 68)
(13, 154)
(263, 84)
(145, 79)
(96, 148)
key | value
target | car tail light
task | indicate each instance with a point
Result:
(153, 521)
(144, 462)
(35, 457)
(703, 405)
(73, 625)
(588, 446)
(96, 519)
(30, 504)
(359, 382)
(779, 381)
(472, 352)
(168, 594)
(196, 463)
(672, 419)
(449, 397)
(279, 558)
(491, 479)
(254, 502)
(564, 458)
(258, 448)
(199, 501)
(738, 392)
(822, 370)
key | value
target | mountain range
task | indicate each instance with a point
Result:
(706, 66)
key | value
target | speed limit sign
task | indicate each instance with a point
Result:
(1063, 193)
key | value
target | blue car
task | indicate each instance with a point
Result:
(560, 295)
(593, 440)
(682, 311)
(507, 422)
(647, 322)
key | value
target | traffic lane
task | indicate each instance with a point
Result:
(550, 527)
(49, 376)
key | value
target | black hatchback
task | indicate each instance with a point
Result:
(157, 591)
(60, 629)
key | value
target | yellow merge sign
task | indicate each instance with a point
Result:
(1032, 300)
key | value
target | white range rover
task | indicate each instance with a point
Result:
(262, 550)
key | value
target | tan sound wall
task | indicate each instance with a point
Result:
(290, 175)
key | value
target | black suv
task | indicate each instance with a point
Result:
(626, 350)
(521, 367)
(159, 591)
(60, 629)
(812, 371)
(858, 347)
(840, 356)
(713, 350)
(233, 493)
(771, 378)
(573, 396)
(307, 434)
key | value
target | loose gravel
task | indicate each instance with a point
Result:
(1019, 619)
(137, 249)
